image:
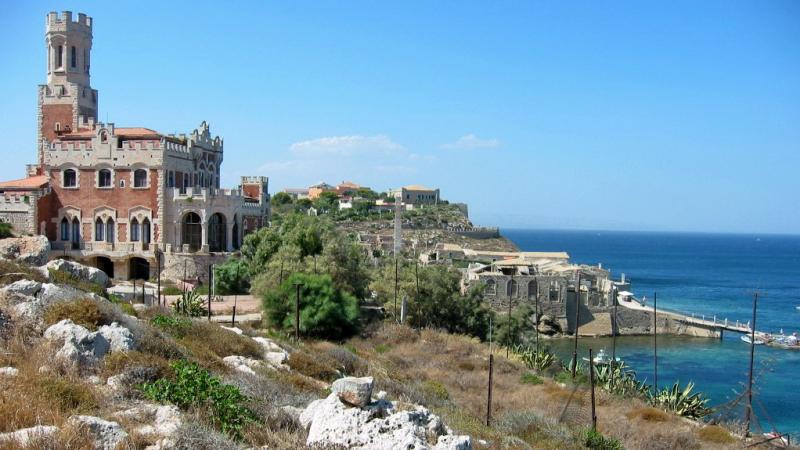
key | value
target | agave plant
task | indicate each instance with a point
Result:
(619, 379)
(189, 303)
(536, 360)
(681, 401)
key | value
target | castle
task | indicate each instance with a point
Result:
(119, 198)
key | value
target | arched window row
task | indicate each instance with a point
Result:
(104, 231)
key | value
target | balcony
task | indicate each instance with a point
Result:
(111, 249)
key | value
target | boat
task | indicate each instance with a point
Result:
(758, 341)
(602, 358)
(777, 438)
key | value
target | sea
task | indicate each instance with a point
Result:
(705, 274)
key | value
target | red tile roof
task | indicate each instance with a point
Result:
(26, 183)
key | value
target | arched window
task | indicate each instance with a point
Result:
(134, 230)
(60, 57)
(533, 290)
(104, 178)
(99, 227)
(491, 287)
(146, 231)
(217, 241)
(73, 57)
(64, 229)
(139, 178)
(235, 233)
(511, 288)
(103, 137)
(70, 178)
(110, 230)
(57, 127)
(191, 232)
(76, 230)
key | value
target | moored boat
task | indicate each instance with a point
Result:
(759, 341)
(602, 358)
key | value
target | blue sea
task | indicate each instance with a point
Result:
(705, 274)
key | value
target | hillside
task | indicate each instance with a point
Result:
(83, 371)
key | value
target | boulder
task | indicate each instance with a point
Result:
(353, 391)
(378, 426)
(80, 347)
(120, 339)
(79, 271)
(25, 436)
(161, 420)
(32, 250)
(106, 434)
(243, 364)
(8, 371)
(274, 355)
(548, 325)
(232, 329)
(24, 287)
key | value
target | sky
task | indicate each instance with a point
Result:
(625, 115)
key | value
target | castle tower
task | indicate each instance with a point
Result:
(67, 101)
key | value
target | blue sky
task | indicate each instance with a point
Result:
(677, 116)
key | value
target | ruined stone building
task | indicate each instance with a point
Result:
(116, 197)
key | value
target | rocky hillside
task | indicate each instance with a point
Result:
(80, 370)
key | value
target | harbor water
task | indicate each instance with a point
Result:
(704, 274)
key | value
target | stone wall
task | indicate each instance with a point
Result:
(195, 264)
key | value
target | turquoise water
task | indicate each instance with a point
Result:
(707, 274)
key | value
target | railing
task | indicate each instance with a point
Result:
(91, 246)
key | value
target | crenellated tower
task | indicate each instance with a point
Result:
(67, 101)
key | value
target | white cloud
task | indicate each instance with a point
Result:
(470, 142)
(347, 146)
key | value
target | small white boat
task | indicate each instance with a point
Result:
(758, 341)
(602, 358)
(776, 438)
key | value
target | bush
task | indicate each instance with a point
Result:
(681, 401)
(436, 390)
(61, 277)
(83, 312)
(203, 337)
(648, 414)
(593, 440)
(232, 277)
(11, 271)
(175, 326)
(716, 434)
(67, 395)
(529, 378)
(171, 290)
(5, 230)
(193, 387)
(325, 311)
(124, 305)
(312, 366)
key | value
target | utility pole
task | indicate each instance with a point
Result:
(577, 325)
(235, 298)
(614, 330)
(536, 317)
(158, 270)
(655, 341)
(591, 381)
(491, 368)
(297, 312)
(210, 277)
(510, 298)
(749, 410)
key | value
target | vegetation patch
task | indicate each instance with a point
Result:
(62, 277)
(648, 414)
(194, 387)
(67, 395)
(529, 378)
(10, 271)
(715, 434)
(596, 441)
(83, 312)
(313, 366)
(175, 326)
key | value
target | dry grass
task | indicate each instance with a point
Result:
(648, 414)
(715, 434)
(119, 362)
(83, 312)
(11, 271)
(319, 366)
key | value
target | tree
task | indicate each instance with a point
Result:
(325, 311)
(343, 259)
(5, 230)
(518, 329)
(281, 198)
(327, 201)
(232, 277)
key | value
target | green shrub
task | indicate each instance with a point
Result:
(593, 440)
(5, 230)
(529, 378)
(436, 389)
(194, 387)
(382, 348)
(681, 401)
(176, 326)
(536, 360)
(171, 290)
(123, 304)
(325, 311)
(232, 277)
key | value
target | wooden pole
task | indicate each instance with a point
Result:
(489, 400)
(297, 312)
(235, 298)
(158, 281)
(749, 410)
(655, 341)
(614, 330)
(536, 316)
(577, 325)
(510, 297)
(210, 277)
(591, 381)
(396, 271)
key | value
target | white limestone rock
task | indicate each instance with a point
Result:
(451, 442)
(25, 436)
(107, 435)
(9, 371)
(80, 271)
(376, 427)
(80, 347)
(120, 338)
(33, 250)
(353, 391)
(24, 287)
(243, 364)
(233, 329)
(160, 420)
